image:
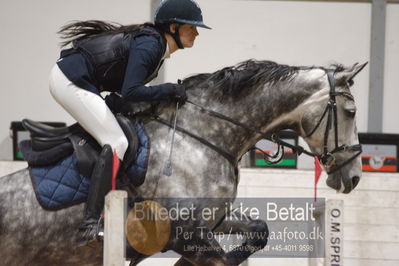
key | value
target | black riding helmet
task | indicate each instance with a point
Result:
(178, 12)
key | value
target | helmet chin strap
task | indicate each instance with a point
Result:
(176, 36)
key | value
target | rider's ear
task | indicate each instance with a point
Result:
(172, 28)
(348, 74)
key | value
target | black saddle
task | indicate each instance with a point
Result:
(50, 144)
(43, 130)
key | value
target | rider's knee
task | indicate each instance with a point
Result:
(120, 146)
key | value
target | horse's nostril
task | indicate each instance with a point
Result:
(355, 181)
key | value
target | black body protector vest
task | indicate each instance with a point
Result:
(109, 54)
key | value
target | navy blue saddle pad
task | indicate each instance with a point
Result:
(59, 184)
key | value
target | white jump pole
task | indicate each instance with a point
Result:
(114, 243)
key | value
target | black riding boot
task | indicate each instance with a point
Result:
(100, 184)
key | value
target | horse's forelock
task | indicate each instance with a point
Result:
(338, 67)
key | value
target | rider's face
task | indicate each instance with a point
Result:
(188, 33)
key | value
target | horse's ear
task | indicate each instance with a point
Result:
(356, 69)
(348, 74)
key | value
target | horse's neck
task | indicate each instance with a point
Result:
(268, 110)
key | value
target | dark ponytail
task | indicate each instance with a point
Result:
(80, 30)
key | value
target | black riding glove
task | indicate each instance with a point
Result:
(118, 105)
(180, 94)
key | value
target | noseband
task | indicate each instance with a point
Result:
(327, 158)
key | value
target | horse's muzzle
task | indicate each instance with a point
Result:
(342, 184)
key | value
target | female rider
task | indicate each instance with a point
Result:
(122, 59)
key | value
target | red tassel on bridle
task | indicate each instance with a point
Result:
(317, 173)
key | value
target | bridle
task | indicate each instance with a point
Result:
(327, 158)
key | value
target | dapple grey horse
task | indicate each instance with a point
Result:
(260, 97)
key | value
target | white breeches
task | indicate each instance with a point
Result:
(89, 110)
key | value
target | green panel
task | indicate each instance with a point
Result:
(19, 155)
(261, 162)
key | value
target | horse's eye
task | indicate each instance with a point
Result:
(350, 109)
(350, 112)
(350, 82)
